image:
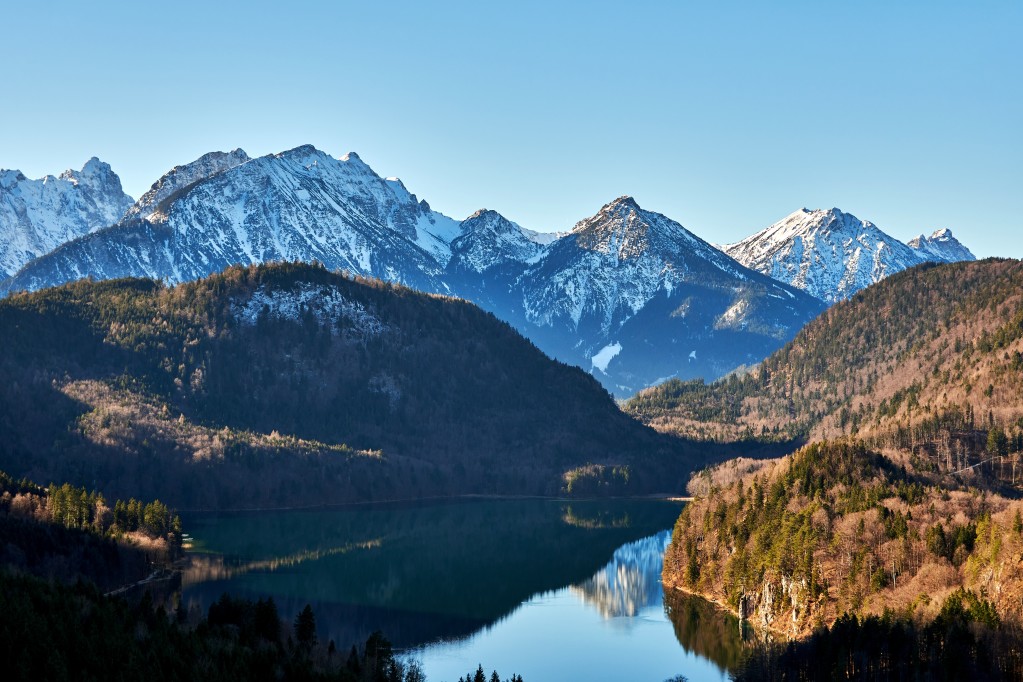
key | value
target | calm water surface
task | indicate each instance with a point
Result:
(551, 590)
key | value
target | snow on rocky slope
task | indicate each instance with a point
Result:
(628, 294)
(940, 247)
(36, 216)
(832, 255)
(180, 177)
(224, 209)
(634, 296)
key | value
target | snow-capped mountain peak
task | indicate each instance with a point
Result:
(94, 173)
(827, 253)
(181, 177)
(9, 178)
(300, 204)
(614, 263)
(623, 203)
(488, 239)
(36, 216)
(623, 228)
(627, 280)
(941, 247)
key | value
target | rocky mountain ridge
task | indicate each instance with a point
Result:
(832, 255)
(37, 216)
(627, 294)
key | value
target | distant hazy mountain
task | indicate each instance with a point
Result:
(940, 247)
(628, 294)
(36, 216)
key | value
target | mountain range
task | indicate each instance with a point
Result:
(628, 294)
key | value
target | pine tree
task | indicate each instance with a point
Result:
(305, 628)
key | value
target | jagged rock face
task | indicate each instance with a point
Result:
(628, 294)
(828, 254)
(298, 205)
(940, 247)
(780, 603)
(490, 240)
(36, 216)
(181, 177)
(637, 298)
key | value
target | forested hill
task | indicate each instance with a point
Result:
(906, 504)
(289, 384)
(923, 355)
(837, 531)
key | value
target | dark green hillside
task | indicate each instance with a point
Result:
(288, 384)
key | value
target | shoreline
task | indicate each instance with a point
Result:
(774, 632)
(664, 497)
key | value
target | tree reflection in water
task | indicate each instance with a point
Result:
(707, 630)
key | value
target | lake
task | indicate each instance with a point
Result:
(548, 589)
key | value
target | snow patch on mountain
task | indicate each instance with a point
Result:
(605, 356)
(325, 303)
(734, 315)
(542, 238)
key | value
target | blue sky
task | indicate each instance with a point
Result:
(725, 116)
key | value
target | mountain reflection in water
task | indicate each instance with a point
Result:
(630, 581)
(420, 573)
(564, 590)
(615, 625)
